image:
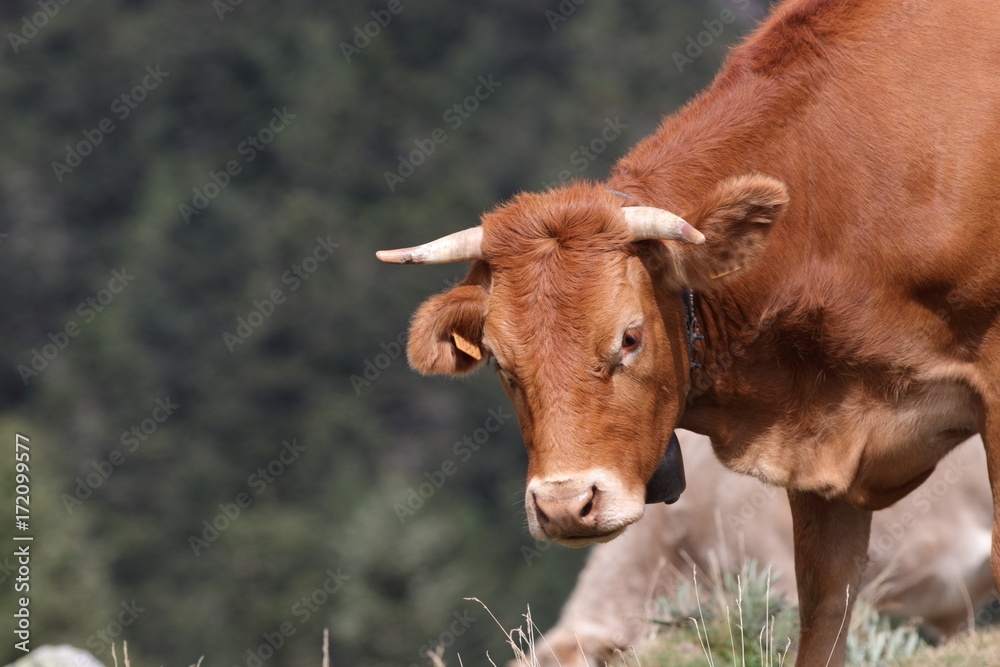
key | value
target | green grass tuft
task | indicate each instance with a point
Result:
(740, 621)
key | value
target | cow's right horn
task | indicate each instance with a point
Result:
(461, 246)
(646, 222)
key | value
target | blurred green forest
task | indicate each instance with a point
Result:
(228, 452)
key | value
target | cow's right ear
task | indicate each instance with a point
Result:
(736, 219)
(446, 334)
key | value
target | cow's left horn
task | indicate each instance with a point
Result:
(646, 222)
(458, 247)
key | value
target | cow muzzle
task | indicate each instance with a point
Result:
(594, 506)
(667, 483)
(577, 510)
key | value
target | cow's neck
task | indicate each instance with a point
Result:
(740, 395)
(725, 327)
(780, 404)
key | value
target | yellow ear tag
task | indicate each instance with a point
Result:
(470, 349)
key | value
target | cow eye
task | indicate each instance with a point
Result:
(631, 343)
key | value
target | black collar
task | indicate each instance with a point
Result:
(691, 325)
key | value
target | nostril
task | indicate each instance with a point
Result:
(543, 518)
(565, 511)
(589, 506)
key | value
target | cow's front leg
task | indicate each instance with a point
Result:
(831, 552)
(990, 431)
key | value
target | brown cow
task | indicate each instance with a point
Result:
(837, 187)
(929, 553)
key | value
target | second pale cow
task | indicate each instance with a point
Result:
(930, 553)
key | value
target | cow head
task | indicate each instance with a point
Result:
(575, 299)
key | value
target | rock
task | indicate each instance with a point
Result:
(58, 656)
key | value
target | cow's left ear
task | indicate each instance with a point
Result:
(735, 218)
(446, 333)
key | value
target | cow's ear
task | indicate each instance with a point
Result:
(446, 333)
(735, 218)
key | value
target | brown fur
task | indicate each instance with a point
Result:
(856, 345)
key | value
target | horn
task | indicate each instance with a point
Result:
(458, 247)
(646, 222)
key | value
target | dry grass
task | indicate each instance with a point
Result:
(741, 622)
(873, 640)
(979, 649)
(114, 655)
(521, 641)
